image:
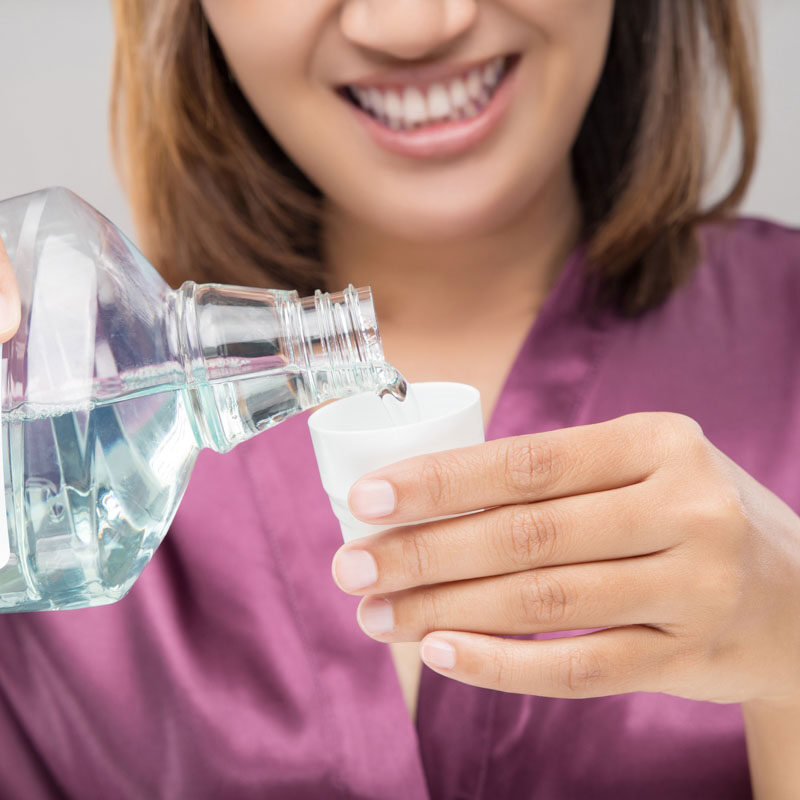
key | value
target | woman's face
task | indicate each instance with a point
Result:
(426, 119)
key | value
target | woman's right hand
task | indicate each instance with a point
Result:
(9, 297)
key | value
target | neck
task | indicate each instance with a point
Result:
(501, 274)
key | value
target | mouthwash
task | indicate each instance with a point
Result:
(402, 408)
(115, 382)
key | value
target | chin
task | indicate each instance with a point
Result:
(441, 222)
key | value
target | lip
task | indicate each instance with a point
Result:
(442, 139)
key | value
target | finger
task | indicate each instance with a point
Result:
(9, 297)
(522, 469)
(618, 523)
(608, 594)
(593, 665)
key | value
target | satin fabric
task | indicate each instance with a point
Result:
(236, 669)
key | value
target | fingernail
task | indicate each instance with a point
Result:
(438, 653)
(376, 616)
(355, 569)
(370, 499)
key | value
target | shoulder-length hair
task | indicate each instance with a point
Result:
(215, 197)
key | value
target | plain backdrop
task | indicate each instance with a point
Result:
(54, 76)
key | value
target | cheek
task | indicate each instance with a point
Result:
(566, 69)
(572, 43)
(563, 19)
(267, 45)
(574, 34)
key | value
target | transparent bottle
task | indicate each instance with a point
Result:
(115, 382)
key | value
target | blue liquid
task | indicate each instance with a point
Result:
(91, 492)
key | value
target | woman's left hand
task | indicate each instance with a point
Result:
(638, 526)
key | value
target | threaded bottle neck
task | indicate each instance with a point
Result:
(340, 343)
(253, 357)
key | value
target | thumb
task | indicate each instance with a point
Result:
(9, 297)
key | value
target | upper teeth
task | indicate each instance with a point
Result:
(459, 98)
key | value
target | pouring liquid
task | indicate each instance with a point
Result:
(399, 402)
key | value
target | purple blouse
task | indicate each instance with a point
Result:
(235, 667)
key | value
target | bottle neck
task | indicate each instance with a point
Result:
(253, 357)
(337, 334)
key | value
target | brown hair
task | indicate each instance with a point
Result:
(217, 199)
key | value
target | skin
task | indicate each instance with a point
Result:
(639, 524)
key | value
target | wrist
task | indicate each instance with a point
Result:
(772, 732)
(787, 704)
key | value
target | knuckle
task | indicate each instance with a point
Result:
(580, 671)
(669, 430)
(528, 462)
(429, 603)
(682, 432)
(543, 600)
(498, 667)
(728, 510)
(730, 507)
(719, 594)
(531, 536)
(717, 511)
(692, 651)
(417, 556)
(683, 652)
(686, 426)
(435, 479)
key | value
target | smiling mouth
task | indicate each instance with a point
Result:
(406, 108)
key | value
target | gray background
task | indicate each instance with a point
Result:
(54, 77)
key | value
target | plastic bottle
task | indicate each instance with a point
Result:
(114, 382)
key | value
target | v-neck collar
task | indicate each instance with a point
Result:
(360, 700)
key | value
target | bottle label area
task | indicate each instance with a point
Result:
(5, 551)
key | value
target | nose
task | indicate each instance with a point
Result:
(406, 29)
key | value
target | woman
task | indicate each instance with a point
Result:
(520, 182)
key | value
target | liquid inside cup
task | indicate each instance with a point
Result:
(402, 412)
(424, 403)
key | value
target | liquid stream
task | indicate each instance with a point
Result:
(402, 410)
